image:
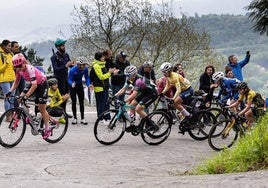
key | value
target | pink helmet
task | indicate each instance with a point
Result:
(140, 83)
(18, 59)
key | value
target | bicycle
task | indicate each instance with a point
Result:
(121, 122)
(225, 132)
(11, 133)
(198, 126)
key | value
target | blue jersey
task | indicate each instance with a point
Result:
(76, 75)
(228, 88)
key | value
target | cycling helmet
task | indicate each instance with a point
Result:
(52, 81)
(165, 67)
(217, 76)
(147, 64)
(59, 42)
(130, 70)
(242, 85)
(81, 60)
(140, 83)
(18, 59)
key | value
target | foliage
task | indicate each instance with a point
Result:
(32, 57)
(143, 31)
(249, 153)
(259, 15)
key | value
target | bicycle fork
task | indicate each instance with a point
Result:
(227, 129)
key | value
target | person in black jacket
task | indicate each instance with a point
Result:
(147, 70)
(207, 84)
(118, 80)
(61, 62)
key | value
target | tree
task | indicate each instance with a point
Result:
(259, 15)
(31, 55)
(145, 31)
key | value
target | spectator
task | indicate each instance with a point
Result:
(237, 66)
(61, 62)
(178, 69)
(118, 80)
(76, 87)
(206, 83)
(229, 72)
(55, 98)
(7, 74)
(147, 71)
(108, 54)
(100, 75)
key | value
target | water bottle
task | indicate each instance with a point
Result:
(127, 116)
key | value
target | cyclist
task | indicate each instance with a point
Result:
(55, 98)
(143, 95)
(247, 94)
(38, 86)
(184, 91)
(227, 88)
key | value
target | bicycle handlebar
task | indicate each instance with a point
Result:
(23, 101)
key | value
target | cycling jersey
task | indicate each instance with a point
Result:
(228, 89)
(181, 84)
(248, 97)
(31, 74)
(146, 95)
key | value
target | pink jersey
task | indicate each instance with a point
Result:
(31, 74)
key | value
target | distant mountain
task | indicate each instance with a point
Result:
(230, 34)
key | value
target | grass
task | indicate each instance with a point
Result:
(249, 153)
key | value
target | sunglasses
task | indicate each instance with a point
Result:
(18, 67)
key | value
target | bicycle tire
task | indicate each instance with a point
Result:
(164, 124)
(218, 113)
(217, 141)
(109, 132)
(200, 129)
(58, 122)
(11, 133)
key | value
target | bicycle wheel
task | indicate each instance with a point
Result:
(222, 136)
(111, 131)
(201, 127)
(218, 113)
(11, 133)
(161, 119)
(58, 121)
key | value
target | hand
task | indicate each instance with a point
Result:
(161, 94)
(73, 84)
(8, 94)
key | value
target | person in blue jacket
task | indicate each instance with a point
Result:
(237, 66)
(227, 87)
(75, 82)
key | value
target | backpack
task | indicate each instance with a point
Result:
(258, 100)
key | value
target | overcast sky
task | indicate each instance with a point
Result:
(21, 16)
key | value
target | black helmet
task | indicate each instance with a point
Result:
(242, 85)
(52, 81)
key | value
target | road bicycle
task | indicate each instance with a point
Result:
(225, 132)
(11, 133)
(111, 131)
(200, 122)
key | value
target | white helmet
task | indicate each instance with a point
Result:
(81, 60)
(165, 67)
(130, 70)
(217, 76)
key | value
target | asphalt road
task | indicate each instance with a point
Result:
(80, 161)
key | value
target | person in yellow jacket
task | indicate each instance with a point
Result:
(7, 73)
(55, 98)
(99, 76)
